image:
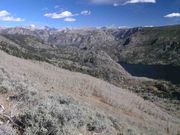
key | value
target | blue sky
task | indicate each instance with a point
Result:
(83, 13)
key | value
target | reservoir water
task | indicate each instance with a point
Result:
(160, 72)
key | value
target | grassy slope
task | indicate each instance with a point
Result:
(63, 100)
(99, 64)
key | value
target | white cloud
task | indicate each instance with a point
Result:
(61, 15)
(69, 19)
(140, 1)
(32, 25)
(86, 12)
(121, 2)
(149, 26)
(67, 15)
(172, 15)
(115, 4)
(6, 16)
(4, 13)
(11, 18)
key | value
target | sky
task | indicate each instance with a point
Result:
(89, 13)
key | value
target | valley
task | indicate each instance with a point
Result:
(73, 81)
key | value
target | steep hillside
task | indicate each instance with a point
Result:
(96, 51)
(158, 45)
(40, 98)
(91, 61)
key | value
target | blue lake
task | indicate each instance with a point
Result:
(160, 72)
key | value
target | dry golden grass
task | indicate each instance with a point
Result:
(126, 106)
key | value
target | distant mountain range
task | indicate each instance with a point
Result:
(127, 45)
